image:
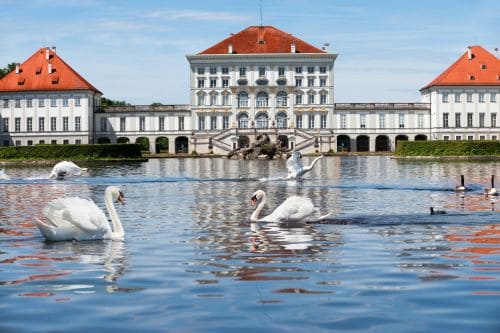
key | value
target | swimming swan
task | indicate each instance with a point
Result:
(295, 167)
(79, 219)
(3, 175)
(491, 191)
(293, 209)
(66, 168)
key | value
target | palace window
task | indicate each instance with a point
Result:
(469, 97)
(29, 124)
(17, 124)
(18, 103)
(201, 83)
(225, 83)
(281, 120)
(213, 122)
(481, 97)
(122, 124)
(200, 70)
(310, 99)
(322, 82)
(310, 70)
(445, 97)
(493, 120)
(381, 120)
(362, 120)
(201, 123)
(457, 97)
(65, 124)
(41, 124)
(469, 119)
(281, 71)
(262, 99)
(298, 120)
(298, 99)
(29, 103)
(181, 123)
(5, 125)
(457, 120)
(53, 102)
(445, 120)
(470, 137)
(225, 99)
(78, 124)
(311, 121)
(213, 99)
(242, 99)
(481, 119)
(161, 123)
(213, 83)
(53, 124)
(298, 82)
(142, 124)
(201, 99)
(225, 70)
(213, 70)
(243, 121)
(243, 71)
(493, 97)
(262, 71)
(420, 121)
(310, 82)
(323, 98)
(78, 101)
(41, 102)
(298, 70)
(104, 126)
(322, 123)
(225, 122)
(281, 99)
(322, 69)
(65, 102)
(261, 121)
(343, 120)
(401, 120)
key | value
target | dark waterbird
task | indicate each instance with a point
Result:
(437, 212)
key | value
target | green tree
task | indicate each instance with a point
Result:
(105, 102)
(9, 68)
(156, 104)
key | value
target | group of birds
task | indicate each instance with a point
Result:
(488, 192)
(74, 218)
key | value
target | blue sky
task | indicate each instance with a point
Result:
(135, 50)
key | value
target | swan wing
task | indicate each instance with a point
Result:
(79, 213)
(67, 168)
(293, 209)
(294, 163)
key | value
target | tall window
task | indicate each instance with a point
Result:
(343, 120)
(5, 103)
(29, 124)
(493, 97)
(41, 102)
(225, 70)
(5, 124)
(122, 124)
(469, 119)
(445, 97)
(213, 70)
(457, 120)
(445, 120)
(298, 70)
(298, 82)
(41, 124)
(322, 69)
(420, 121)
(481, 97)
(457, 97)
(262, 71)
(53, 102)
(201, 83)
(104, 126)
(261, 121)
(493, 120)
(311, 121)
(243, 120)
(29, 103)
(381, 120)
(53, 123)
(298, 99)
(201, 99)
(298, 120)
(322, 82)
(469, 97)
(18, 103)
(201, 123)
(322, 123)
(225, 99)
(78, 123)
(65, 124)
(213, 122)
(281, 99)
(310, 82)
(243, 71)
(213, 99)
(281, 71)
(242, 99)
(200, 70)
(225, 122)
(401, 120)
(225, 83)
(161, 123)
(322, 98)
(78, 101)
(262, 99)
(481, 119)
(65, 102)
(362, 120)
(17, 124)
(281, 120)
(310, 70)
(181, 123)
(213, 83)
(142, 124)
(310, 98)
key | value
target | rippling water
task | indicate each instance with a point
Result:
(192, 262)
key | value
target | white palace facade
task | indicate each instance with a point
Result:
(259, 81)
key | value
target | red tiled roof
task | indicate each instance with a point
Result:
(482, 69)
(261, 39)
(34, 75)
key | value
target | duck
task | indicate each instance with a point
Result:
(437, 212)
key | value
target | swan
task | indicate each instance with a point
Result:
(491, 191)
(295, 167)
(293, 209)
(79, 219)
(66, 168)
(461, 187)
(3, 175)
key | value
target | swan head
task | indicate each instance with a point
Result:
(258, 195)
(116, 194)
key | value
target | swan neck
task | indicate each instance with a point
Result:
(118, 231)
(256, 213)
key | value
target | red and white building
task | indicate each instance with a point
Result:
(45, 101)
(464, 98)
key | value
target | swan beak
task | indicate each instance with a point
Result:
(121, 198)
(254, 200)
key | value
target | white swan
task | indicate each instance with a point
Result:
(294, 209)
(491, 191)
(79, 219)
(295, 167)
(3, 175)
(66, 168)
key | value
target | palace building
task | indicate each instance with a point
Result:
(258, 81)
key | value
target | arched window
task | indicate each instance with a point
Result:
(262, 121)
(281, 99)
(262, 99)
(281, 120)
(242, 99)
(243, 120)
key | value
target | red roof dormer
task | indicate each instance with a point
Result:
(261, 39)
(44, 71)
(476, 67)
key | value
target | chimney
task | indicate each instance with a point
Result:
(17, 68)
(49, 68)
(47, 53)
(469, 52)
(54, 49)
(293, 48)
(230, 48)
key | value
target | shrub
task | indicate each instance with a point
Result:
(269, 150)
(448, 148)
(82, 152)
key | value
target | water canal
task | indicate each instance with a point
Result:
(192, 262)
